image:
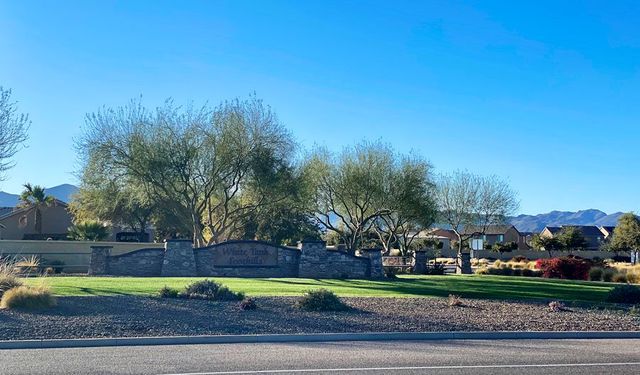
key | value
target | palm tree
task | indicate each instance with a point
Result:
(34, 197)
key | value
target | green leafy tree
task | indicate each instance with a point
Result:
(571, 238)
(545, 243)
(210, 167)
(466, 200)
(35, 198)
(119, 201)
(89, 231)
(349, 191)
(14, 127)
(413, 208)
(627, 234)
(368, 192)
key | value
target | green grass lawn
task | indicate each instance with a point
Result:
(470, 286)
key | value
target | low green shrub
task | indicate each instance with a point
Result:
(167, 292)
(321, 300)
(210, 290)
(248, 304)
(28, 298)
(517, 271)
(531, 273)
(435, 269)
(608, 274)
(624, 294)
(595, 273)
(56, 265)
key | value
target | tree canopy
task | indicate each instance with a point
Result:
(626, 236)
(369, 188)
(209, 167)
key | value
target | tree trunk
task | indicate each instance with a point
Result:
(463, 261)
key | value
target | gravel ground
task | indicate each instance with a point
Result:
(120, 316)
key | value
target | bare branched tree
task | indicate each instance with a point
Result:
(13, 131)
(469, 200)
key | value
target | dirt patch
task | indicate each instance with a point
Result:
(121, 316)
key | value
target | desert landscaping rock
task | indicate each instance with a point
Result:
(126, 316)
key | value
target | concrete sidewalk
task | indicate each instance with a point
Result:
(314, 337)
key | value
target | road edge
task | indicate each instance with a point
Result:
(314, 337)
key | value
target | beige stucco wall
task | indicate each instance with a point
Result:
(55, 220)
(75, 254)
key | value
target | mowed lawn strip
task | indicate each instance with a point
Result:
(470, 286)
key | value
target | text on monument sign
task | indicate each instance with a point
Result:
(242, 257)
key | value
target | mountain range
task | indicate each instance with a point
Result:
(535, 223)
(61, 192)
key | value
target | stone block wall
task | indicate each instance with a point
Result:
(317, 262)
(284, 263)
(178, 259)
(143, 262)
(239, 259)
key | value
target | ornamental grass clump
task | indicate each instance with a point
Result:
(28, 298)
(454, 300)
(210, 290)
(595, 273)
(321, 300)
(8, 277)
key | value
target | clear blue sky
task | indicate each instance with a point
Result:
(544, 93)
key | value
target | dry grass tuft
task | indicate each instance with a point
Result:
(28, 298)
(454, 300)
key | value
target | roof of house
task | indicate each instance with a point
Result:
(553, 229)
(6, 210)
(491, 229)
(587, 230)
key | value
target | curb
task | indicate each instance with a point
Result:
(314, 337)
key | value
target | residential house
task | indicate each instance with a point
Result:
(19, 223)
(483, 238)
(591, 233)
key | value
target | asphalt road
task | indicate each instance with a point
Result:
(398, 357)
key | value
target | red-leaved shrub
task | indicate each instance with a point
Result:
(564, 268)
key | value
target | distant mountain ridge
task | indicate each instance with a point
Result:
(61, 192)
(535, 223)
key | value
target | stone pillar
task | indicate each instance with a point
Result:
(99, 264)
(375, 257)
(179, 259)
(420, 262)
(463, 264)
(313, 258)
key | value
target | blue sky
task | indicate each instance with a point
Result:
(543, 93)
